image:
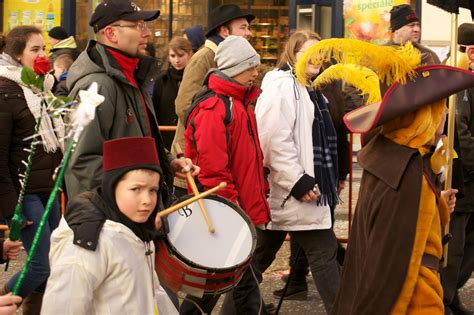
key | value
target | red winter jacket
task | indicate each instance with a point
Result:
(229, 153)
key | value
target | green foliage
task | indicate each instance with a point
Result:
(58, 101)
(31, 79)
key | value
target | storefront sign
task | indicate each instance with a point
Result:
(44, 14)
(369, 20)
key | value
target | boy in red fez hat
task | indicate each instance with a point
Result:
(102, 253)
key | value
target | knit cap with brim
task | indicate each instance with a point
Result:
(234, 55)
(402, 15)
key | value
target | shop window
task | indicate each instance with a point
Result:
(186, 13)
(270, 27)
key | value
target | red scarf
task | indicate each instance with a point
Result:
(128, 65)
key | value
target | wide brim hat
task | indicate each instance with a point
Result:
(430, 84)
(109, 11)
(226, 13)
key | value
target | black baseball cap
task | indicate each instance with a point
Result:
(109, 11)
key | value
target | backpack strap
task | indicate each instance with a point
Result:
(229, 104)
(203, 94)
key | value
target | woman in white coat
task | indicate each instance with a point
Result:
(299, 148)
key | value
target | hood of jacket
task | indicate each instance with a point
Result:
(86, 214)
(69, 42)
(276, 77)
(96, 59)
(7, 60)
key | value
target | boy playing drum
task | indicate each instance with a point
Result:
(102, 254)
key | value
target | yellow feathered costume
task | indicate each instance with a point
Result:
(365, 66)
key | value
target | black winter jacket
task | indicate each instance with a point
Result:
(17, 123)
(164, 95)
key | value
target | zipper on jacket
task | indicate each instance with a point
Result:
(285, 200)
(256, 147)
(149, 261)
(129, 116)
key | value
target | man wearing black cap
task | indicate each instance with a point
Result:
(225, 20)
(461, 247)
(117, 62)
(62, 43)
(405, 26)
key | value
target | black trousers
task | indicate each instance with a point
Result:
(301, 266)
(460, 254)
(320, 247)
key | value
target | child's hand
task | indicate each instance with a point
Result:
(8, 304)
(11, 249)
(158, 222)
(450, 196)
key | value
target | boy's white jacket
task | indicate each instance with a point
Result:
(285, 115)
(116, 278)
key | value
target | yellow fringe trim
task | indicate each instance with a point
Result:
(392, 64)
(427, 240)
(363, 78)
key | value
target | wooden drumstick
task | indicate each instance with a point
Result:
(195, 190)
(191, 200)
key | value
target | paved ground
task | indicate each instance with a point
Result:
(272, 276)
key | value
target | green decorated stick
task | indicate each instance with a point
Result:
(84, 114)
(17, 220)
(52, 198)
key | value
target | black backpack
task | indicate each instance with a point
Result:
(203, 94)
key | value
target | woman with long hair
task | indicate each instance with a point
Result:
(167, 85)
(19, 109)
(298, 140)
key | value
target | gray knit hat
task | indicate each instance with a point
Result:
(235, 55)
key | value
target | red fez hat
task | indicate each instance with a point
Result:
(129, 152)
(430, 84)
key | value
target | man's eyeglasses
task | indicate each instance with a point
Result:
(141, 26)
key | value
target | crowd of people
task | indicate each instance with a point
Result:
(281, 148)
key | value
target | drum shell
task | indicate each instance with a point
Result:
(182, 274)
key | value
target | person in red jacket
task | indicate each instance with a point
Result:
(221, 137)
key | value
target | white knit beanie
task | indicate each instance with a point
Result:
(234, 55)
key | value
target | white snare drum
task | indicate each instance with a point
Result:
(193, 260)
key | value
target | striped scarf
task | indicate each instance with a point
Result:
(324, 150)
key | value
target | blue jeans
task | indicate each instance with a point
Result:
(38, 271)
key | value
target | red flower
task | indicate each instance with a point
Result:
(42, 66)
